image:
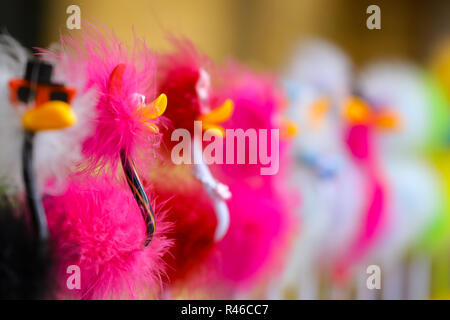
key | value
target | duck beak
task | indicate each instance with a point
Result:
(52, 115)
(289, 129)
(356, 111)
(213, 119)
(152, 111)
(388, 120)
(318, 111)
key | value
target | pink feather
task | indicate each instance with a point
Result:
(179, 72)
(191, 211)
(192, 215)
(97, 226)
(360, 142)
(120, 125)
(260, 209)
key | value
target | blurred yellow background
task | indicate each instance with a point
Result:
(262, 32)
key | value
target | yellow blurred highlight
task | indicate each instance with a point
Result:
(356, 110)
(289, 129)
(388, 120)
(319, 110)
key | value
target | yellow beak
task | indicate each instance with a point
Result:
(52, 115)
(212, 120)
(289, 129)
(356, 110)
(318, 111)
(153, 110)
(388, 120)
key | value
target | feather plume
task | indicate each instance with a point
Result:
(179, 73)
(120, 124)
(97, 226)
(194, 222)
(260, 209)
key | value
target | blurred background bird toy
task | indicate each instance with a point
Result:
(400, 91)
(261, 220)
(318, 80)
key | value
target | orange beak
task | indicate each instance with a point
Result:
(388, 120)
(152, 111)
(318, 111)
(357, 111)
(51, 115)
(289, 129)
(213, 119)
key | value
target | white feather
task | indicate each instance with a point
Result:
(322, 65)
(57, 153)
(401, 87)
(13, 59)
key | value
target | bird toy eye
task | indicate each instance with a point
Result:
(48, 103)
(20, 91)
(59, 95)
(25, 94)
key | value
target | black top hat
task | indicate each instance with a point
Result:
(38, 71)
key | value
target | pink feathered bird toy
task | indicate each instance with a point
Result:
(359, 135)
(260, 219)
(197, 201)
(96, 226)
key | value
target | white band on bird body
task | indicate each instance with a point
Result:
(217, 191)
(202, 88)
(204, 175)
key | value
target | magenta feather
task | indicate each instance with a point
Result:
(179, 73)
(97, 226)
(261, 222)
(119, 125)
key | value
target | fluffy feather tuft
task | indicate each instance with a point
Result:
(13, 58)
(259, 104)
(180, 72)
(57, 153)
(194, 222)
(120, 125)
(97, 226)
(260, 208)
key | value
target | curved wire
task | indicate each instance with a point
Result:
(140, 195)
